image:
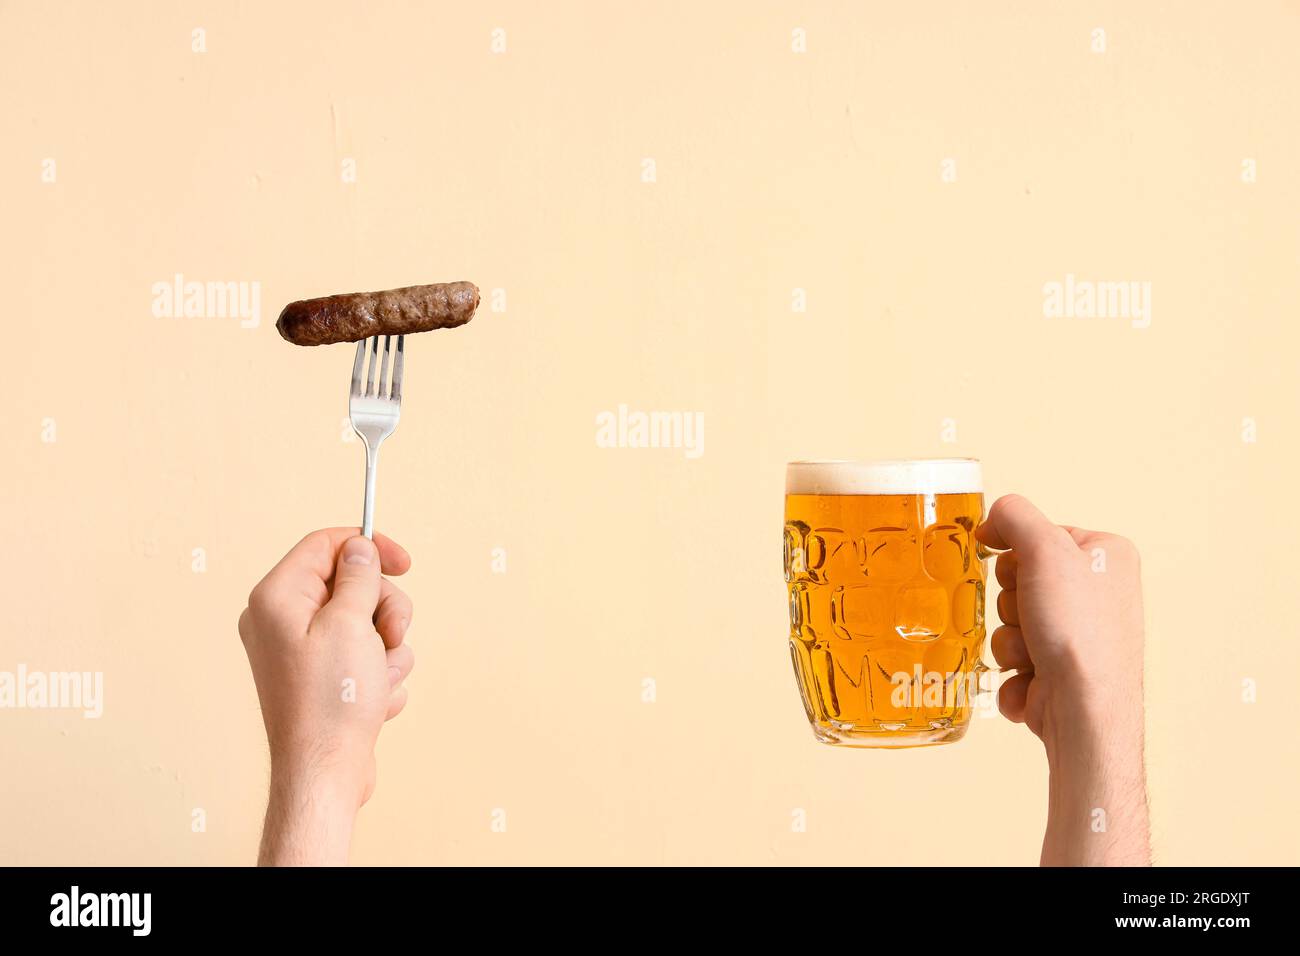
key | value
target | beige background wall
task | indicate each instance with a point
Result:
(522, 171)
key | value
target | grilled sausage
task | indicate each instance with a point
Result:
(358, 315)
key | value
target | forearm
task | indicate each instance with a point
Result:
(1097, 800)
(308, 823)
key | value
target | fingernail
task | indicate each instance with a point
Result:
(394, 675)
(358, 551)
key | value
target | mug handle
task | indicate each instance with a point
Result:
(983, 552)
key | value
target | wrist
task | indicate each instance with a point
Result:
(309, 818)
(1097, 805)
(1093, 731)
(328, 765)
(328, 792)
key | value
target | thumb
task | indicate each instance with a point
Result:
(356, 579)
(1014, 522)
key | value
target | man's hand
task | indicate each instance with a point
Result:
(323, 631)
(1071, 611)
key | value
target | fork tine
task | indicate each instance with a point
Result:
(370, 376)
(397, 370)
(383, 368)
(356, 367)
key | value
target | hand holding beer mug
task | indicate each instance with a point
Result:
(886, 586)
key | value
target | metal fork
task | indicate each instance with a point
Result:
(374, 413)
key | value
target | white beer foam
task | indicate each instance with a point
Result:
(921, 476)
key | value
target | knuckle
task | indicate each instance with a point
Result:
(1120, 546)
(397, 607)
(1003, 504)
(315, 539)
(262, 599)
(316, 542)
(1055, 542)
(257, 598)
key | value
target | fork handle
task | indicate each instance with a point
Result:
(368, 516)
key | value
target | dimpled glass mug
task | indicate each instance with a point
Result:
(886, 587)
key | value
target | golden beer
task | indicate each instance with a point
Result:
(886, 586)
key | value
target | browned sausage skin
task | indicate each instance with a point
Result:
(358, 315)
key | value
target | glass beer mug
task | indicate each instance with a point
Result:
(886, 586)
